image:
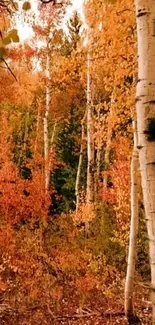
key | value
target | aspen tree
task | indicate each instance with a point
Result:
(46, 135)
(145, 106)
(48, 143)
(98, 157)
(90, 147)
(77, 183)
(108, 145)
(129, 285)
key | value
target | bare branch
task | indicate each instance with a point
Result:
(2, 59)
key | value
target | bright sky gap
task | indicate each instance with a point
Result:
(24, 28)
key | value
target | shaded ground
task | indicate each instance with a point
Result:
(95, 312)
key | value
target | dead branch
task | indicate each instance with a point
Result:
(87, 315)
(2, 59)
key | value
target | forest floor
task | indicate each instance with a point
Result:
(109, 313)
(97, 310)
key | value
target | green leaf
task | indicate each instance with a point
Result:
(26, 6)
(6, 40)
(2, 52)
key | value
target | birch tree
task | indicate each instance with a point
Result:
(129, 285)
(145, 105)
(48, 141)
(78, 175)
(90, 147)
(46, 136)
(108, 144)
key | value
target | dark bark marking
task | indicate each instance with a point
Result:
(150, 102)
(142, 13)
(150, 131)
(153, 28)
(139, 147)
(151, 163)
(137, 99)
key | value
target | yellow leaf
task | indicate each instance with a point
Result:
(14, 35)
(2, 52)
(15, 4)
(26, 6)
(6, 40)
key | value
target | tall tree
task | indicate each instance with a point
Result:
(90, 145)
(79, 169)
(145, 105)
(129, 285)
(46, 115)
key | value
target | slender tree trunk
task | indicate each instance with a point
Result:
(78, 175)
(50, 154)
(26, 130)
(108, 146)
(107, 157)
(90, 146)
(98, 158)
(98, 166)
(145, 105)
(129, 285)
(46, 136)
(37, 126)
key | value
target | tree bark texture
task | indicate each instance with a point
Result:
(108, 146)
(46, 135)
(129, 284)
(90, 145)
(78, 175)
(145, 105)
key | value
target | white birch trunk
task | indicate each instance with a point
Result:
(77, 183)
(129, 284)
(98, 158)
(107, 156)
(50, 155)
(26, 130)
(145, 105)
(108, 146)
(37, 126)
(46, 136)
(90, 146)
(98, 166)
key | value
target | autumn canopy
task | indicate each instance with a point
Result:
(77, 162)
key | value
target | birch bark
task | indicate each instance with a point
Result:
(90, 146)
(145, 105)
(129, 284)
(97, 162)
(77, 184)
(46, 135)
(108, 147)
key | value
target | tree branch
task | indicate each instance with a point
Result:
(2, 59)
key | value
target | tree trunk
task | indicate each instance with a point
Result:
(98, 158)
(77, 184)
(46, 136)
(108, 146)
(129, 309)
(90, 146)
(37, 126)
(49, 168)
(145, 105)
